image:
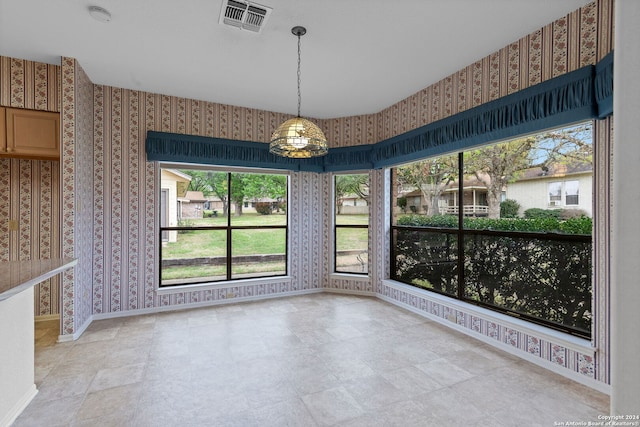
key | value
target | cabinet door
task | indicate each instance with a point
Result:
(33, 134)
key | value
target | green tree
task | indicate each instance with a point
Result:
(260, 186)
(210, 183)
(243, 186)
(346, 185)
(497, 165)
(431, 176)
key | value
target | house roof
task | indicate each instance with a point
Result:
(358, 56)
(555, 170)
(193, 197)
(179, 176)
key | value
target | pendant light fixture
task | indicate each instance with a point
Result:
(298, 138)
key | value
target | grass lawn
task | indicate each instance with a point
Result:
(213, 243)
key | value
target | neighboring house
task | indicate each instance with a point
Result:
(474, 198)
(173, 185)
(560, 186)
(214, 203)
(352, 204)
(192, 205)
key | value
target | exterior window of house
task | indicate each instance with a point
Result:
(241, 234)
(571, 191)
(351, 223)
(555, 193)
(488, 234)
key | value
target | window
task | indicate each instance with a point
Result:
(486, 234)
(571, 192)
(351, 219)
(242, 234)
(555, 193)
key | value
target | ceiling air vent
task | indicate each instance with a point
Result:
(244, 15)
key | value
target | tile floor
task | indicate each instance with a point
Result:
(316, 360)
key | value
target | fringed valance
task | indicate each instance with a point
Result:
(603, 85)
(583, 94)
(164, 146)
(565, 99)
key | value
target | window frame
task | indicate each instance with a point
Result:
(228, 227)
(337, 226)
(461, 233)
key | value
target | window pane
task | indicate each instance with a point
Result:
(546, 279)
(258, 199)
(426, 193)
(352, 254)
(555, 192)
(194, 256)
(427, 259)
(571, 190)
(258, 252)
(351, 199)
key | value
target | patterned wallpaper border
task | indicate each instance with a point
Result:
(566, 359)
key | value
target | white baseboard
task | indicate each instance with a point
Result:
(349, 292)
(235, 300)
(20, 405)
(78, 333)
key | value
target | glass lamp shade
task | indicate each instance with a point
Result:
(298, 138)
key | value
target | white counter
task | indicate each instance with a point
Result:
(17, 278)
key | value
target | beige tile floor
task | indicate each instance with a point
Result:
(316, 360)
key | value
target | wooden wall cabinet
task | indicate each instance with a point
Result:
(29, 134)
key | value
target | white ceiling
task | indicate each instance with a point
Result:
(358, 56)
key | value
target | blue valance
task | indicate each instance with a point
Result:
(565, 99)
(583, 94)
(603, 85)
(164, 146)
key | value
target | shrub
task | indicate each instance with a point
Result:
(402, 203)
(581, 225)
(264, 208)
(537, 213)
(509, 209)
(185, 223)
(449, 221)
(572, 213)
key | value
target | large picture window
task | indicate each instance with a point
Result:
(218, 225)
(480, 226)
(351, 220)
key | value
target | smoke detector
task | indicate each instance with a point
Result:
(99, 14)
(244, 15)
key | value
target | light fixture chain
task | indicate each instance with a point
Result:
(299, 96)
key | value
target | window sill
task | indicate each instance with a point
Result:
(350, 276)
(221, 285)
(531, 329)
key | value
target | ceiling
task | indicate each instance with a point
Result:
(358, 56)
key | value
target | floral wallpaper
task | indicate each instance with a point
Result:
(30, 189)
